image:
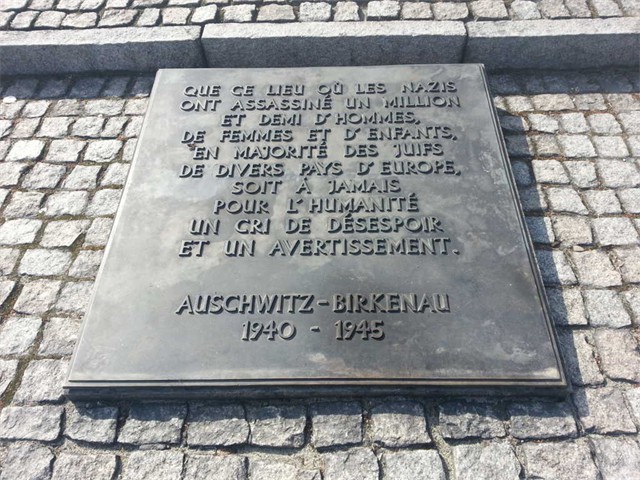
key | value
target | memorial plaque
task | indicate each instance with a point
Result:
(318, 231)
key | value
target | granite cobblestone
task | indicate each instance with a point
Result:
(65, 144)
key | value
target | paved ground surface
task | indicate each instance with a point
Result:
(83, 14)
(574, 140)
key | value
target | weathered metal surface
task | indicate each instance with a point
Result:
(318, 230)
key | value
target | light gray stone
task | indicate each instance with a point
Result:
(460, 420)
(560, 460)
(74, 297)
(267, 470)
(86, 264)
(356, 463)
(66, 150)
(60, 335)
(116, 175)
(416, 11)
(346, 12)
(619, 355)
(98, 233)
(615, 231)
(594, 269)
(217, 425)
(450, 11)
(63, 233)
(175, 16)
(630, 198)
(117, 18)
(41, 261)
(633, 400)
(142, 465)
(73, 466)
(206, 14)
(490, 461)
(80, 20)
(208, 466)
(277, 426)
(398, 424)
(603, 411)
(412, 464)
(10, 173)
(602, 202)
(24, 204)
(149, 17)
(89, 127)
(42, 382)
(25, 150)
(571, 230)
(82, 177)
(125, 49)
(8, 370)
(628, 261)
(488, 10)
(383, 9)
(554, 268)
(542, 420)
(610, 147)
(336, 423)
(19, 231)
(617, 458)
(276, 13)
(565, 199)
(549, 171)
(89, 423)
(104, 202)
(524, 10)
(563, 44)
(605, 309)
(580, 358)
(632, 297)
(44, 175)
(8, 260)
(604, 124)
(65, 203)
(333, 43)
(102, 151)
(582, 172)
(149, 424)
(314, 12)
(31, 423)
(618, 173)
(38, 466)
(18, 334)
(37, 296)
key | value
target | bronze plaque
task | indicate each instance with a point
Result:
(318, 231)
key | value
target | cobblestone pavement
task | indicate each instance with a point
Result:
(83, 14)
(574, 141)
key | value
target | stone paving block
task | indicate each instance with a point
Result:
(89, 423)
(117, 18)
(223, 467)
(10, 173)
(333, 43)
(610, 147)
(267, 470)
(336, 423)
(98, 233)
(554, 9)
(398, 424)
(127, 48)
(415, 11)
(276, 13)
(602, 202)
(65, 203)
(540, 229)
(630, 199)
(567, 461)
(74, 297)
(88, 126)
(8, 260)
(43, 262)
(17, 335)
(619, 354)
(346, 12)
(360, 463)
(24, 204)
(580, 358)
(37, 296)
(604, 124)
(549, 171)
(628, 261)
(31, 423)
(554, 268)
(605, 309)
(25, 150)
(444, 11)
(486, 461)
(8, 370)
(86, 264)
(566, 306)
(524, 10)
(614, 231)
(314, 12)
(72, 466)
(603, 411)
(64, 150)
(63, 233)
(217, 425)
(153, 423)
(82, 177)
(141, 465)
(563, 44)
(582, 172)
(595, 269)
(149, 17)
(44, 175)
(104, 202)
(54, 127)
(38, 467)
(42, 382)
(460, 420)
(618, 173)
(571, 230)
(59, 337)
(617, 458)
(565, 199)
(277, 426)
(25, 127)
(542, 420)
(175, 16)
(19, 231)
(383, 9)
(633, 400)
(488, 10)
(632, 298)
(412, 464)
